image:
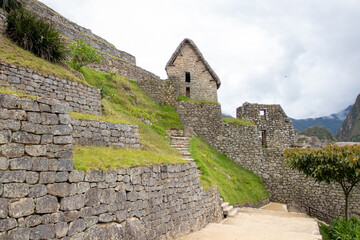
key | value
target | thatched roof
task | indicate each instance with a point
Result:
(199, 55)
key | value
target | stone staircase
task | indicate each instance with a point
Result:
(228, 210)
(181, 143)
(271, 222)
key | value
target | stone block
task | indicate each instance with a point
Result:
(107, 196)
(22, 207)
(91, 221)
(12, 176)
(46, 231)
(71, 216)
(54, 165)
(76, 176)
(59, 189)
(92, 197)
(76, 227)
(26, 138)
(111, 176)
(24, 163)
(47, 204)
(64, 119)
(32, 177)
(106, 218)
(15, 190)
(40, 164)
(63, 140)
(34, 117)
(47, 177)
(13, 150)
(49, 119)
(47, 139)
(37, 191)
(33, 220)
(63, 108)
(29, 105)
(4, 207)
(60, 130)
(61, 229)
(66, 165)
(4, 163)
(10, 101)
(107, 231)
(7, 224)
(72, 203)
(62, 177)
(10, 124)
(78, 188)
(35, 150)
(95, 176)
(5, 136)
(19, 234)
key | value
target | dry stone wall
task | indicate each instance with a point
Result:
(81, 98)
(42, 197)
(99, 133)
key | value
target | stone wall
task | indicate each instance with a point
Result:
(42, 197)
(81, 98)
(95, 133)
(73, 31)
(271, 119)
(204, 118)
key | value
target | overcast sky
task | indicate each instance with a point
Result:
(303, 54)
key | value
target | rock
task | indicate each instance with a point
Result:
(13, 150)
(71, 216)
(22, 207)
(72, 203)
(37, 191)
(16, 190)
(33, 220)
(46, 231)
(76, 176)
(7, 224)
(12, 176)
(76, 227)
(59, 189)
(105, 231)
(61, 229)
(47, 204)
(19, 234)
(26, 138)
(95, 176)
(134, 230)
(24, 163)
(4, 163)
(35, 150)
(47, 177)
(92, 197)
(63, 139)
(4, 207)
(40, 164)
(5, 136)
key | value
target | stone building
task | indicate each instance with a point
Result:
(192, 74)
(274, 126)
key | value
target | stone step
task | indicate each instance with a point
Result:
(233, 212)
(225, 204)
(227, 210)
(254, 211)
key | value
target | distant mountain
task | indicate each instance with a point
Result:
(350, 128)
(224, 115)
(319, 132)
(332, 122)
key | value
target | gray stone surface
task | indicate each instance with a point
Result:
(47, 204)
(72, 203)
(46, 231)
(22, 207)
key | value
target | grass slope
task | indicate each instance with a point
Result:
(236, 184)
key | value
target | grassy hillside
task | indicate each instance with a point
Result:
(236, 184)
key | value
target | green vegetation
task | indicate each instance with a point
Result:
(236, 184)
(342, 229)
(186, 99)
(330, 164)
(87, 158)
(238, 121)
(35, 35)
(318, 131)
(9, 5)
(12, 54)
(8, 91)
(83, 54)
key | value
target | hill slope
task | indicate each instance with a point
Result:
(332, 122)
(319, 132)
(350, 128)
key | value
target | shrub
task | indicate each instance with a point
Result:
(35, 35)
(83, 54)
(9, 5)
(341, 229)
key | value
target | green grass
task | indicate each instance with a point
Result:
(105, 158)
(186, 99)
(8, 91)
(12, 54)
(236, 184)
(238, 121)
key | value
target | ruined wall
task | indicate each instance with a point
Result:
(81, 98)
(41, 197)
(73, 31)
(205, 119)
(98, 133)
(272, 119)
(202, 86)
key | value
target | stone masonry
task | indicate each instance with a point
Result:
(99, 133)
(81, 98)
(42, 197)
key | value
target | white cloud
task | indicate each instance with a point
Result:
(303, 55)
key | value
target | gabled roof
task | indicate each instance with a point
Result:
(199, 55)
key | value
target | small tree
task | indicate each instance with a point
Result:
(330, 164)
(83, 54)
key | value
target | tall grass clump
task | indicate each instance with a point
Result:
(9, 5)
(35, 35)
(341, 229)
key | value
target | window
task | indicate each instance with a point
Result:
(188, 92)
(263, 114)
(187, 77)
(263, 139)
